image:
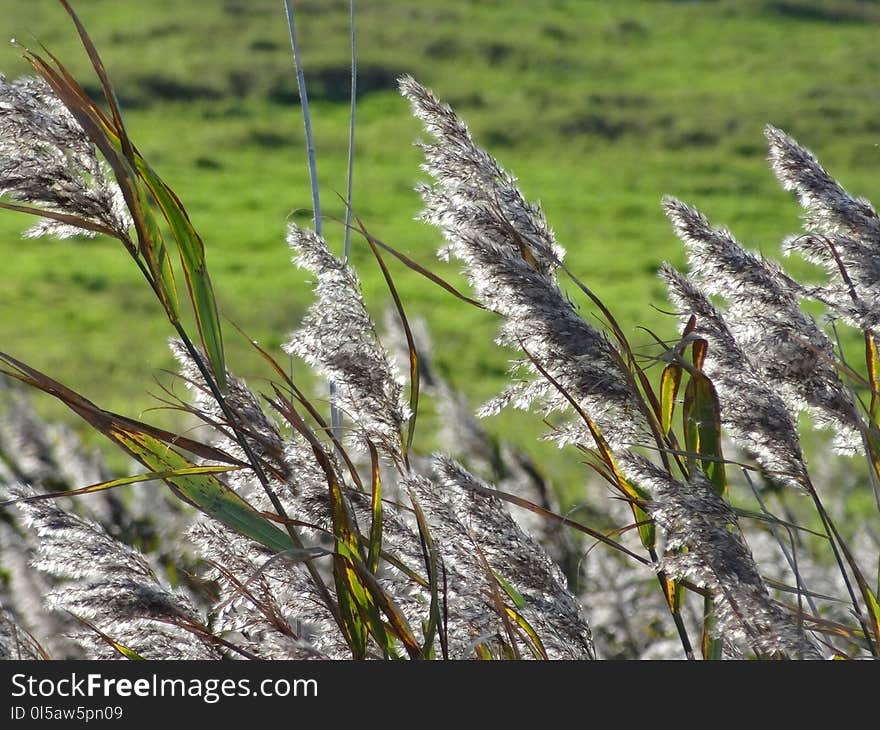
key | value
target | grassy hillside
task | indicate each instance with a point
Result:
(599, 108)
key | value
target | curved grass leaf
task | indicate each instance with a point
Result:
(397, 620)
(375, 545)
(483, 652)
(872, 359)
(98, 65)
(429, 553)
(874, 612)
(155, 450)
(152, 244)
(411, 347)
(204, 492)
(359, 595)
(711, 647)
(536, 646)
(124, 481)
(70, 220)
(498, 604)
(192, 259)
(142, 188)
(634, 494)
(96, 416)
(670, 381)
(514, 594)
(115, 645)
(112, 140)
(418, 268)
(702, 429)
(349, 593)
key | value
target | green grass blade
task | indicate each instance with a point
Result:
(536, 646)
(498, 604)
(411, 347)
(375, 545)
(345, 578)
(429, 554)
(366, 618)
(203, 491)
(703, 437)
(874, 610)
(93, 414)
(115, 645)
(151, 241)
(395, 616)
(142, 188)
(483, 653)
(670, 381)
(353, 598)
(872, 360)
(701, 417)
(98, 65)
(122, 482)
(155, 252)
(359, 595)
(110, 138)
(702, 427)
(514, 594)
(712, 647)
(192, 259)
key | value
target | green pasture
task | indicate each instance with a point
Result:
(599, 108)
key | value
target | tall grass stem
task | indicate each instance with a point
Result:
(351, 127)
(335, 414)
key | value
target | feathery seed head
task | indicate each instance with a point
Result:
(830, 209)
(704, 545)
(510, 258)
(338, 339)
(754, 415)
(785, 346)
(47, 160)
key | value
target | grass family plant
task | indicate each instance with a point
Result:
(274, 530)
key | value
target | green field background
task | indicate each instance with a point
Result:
(599, 108)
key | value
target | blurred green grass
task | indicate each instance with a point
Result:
(599, 108)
